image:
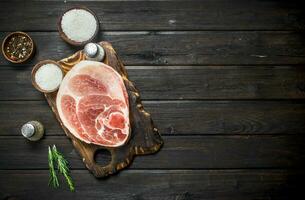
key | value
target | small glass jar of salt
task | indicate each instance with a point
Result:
(94, 52)
(32, 130)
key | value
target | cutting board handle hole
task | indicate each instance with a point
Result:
(102, 157)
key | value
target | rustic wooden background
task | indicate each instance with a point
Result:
(223, 80)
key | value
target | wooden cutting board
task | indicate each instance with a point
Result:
(145, 137)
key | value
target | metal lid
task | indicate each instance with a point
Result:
(91, 50)
(28, 130)
(101, 53)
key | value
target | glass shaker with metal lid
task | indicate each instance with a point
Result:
(32, 130)
(94, 52)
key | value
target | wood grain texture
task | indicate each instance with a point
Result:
(144, 137)
(223, 80)
(161, 15)
(186, 82)
(179, 152)
(181, 117)
(186, 47)
(158, 185)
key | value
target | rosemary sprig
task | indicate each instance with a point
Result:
(53, 178)
(62, 166)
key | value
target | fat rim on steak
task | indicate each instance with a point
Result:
(92, 103)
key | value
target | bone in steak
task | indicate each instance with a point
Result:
(92, 103)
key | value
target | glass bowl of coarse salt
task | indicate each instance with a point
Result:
(78, 26)
(47, 76)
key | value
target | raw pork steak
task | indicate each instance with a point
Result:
(92, 103)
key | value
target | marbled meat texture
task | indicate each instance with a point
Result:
(92, 103)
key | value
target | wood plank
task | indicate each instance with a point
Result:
(145, 138)
(161, 15)
(185, 82)
(186, 48)
(178, 152)
(158, 185)
(181, 117)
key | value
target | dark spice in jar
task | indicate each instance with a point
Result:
(18, 47)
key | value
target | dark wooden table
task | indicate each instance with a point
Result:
(223, 80)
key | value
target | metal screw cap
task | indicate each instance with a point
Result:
(90, 50)
(28, 130)
(101, 53)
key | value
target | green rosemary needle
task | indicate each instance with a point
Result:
(62, 165)
(53, 181)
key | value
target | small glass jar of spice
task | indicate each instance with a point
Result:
(32, 130)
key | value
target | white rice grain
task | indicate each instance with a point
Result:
(48, 77)
(79, 25)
